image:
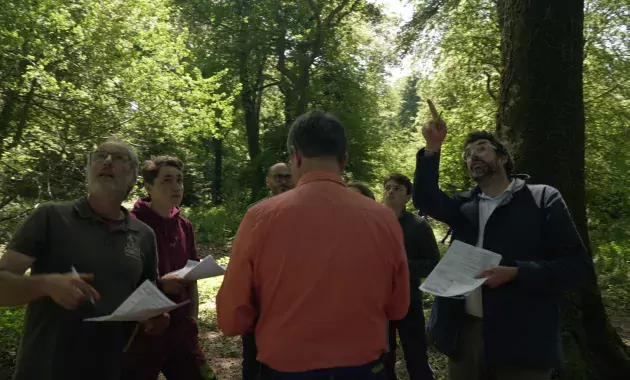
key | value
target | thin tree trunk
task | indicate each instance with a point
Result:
(217, 148)
(541, 111)
(248, 101)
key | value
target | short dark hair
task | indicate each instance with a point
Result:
(501, 146)
(318, 134)
(363, 189)
(400, 179)
(152, 167)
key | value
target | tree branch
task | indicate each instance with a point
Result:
(345, 14)
(339, 8)
(488, 88)
(276, 83)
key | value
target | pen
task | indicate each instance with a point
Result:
(76, 274)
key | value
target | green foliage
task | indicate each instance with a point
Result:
(77, 72)
(11, 320)
(216, 225)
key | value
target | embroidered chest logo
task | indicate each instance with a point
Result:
(131, 247)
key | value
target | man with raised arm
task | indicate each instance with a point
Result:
(112, 254)
(317, 270)
(509, 328)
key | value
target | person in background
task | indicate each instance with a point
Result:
(318, 271)
(508, 329)
(422, 256)
(176, 352)
(110, 253)
(279, 179)
(361, 188)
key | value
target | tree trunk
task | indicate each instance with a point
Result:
(217, 148)
(541, 112)
(248, 100)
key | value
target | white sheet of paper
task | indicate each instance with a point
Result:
(199, 270)
(144, 303)
(454, 276)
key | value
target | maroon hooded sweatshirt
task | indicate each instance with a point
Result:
(175, 244)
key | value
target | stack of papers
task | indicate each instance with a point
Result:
(144, 303)
(454, 276)
(195, 270)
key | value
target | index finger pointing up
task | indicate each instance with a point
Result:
(434, 112)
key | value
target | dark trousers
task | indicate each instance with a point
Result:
(414, 345)
(371, 371)
(251, 366)
(470, 362)
(176, 353)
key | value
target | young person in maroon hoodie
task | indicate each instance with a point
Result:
(176, 352)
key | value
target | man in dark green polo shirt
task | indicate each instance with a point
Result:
(114, 252)
(422, 256)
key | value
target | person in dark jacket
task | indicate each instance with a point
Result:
(422, 256)
(510, 328)
(176, 352)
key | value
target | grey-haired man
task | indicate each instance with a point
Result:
(114, 253)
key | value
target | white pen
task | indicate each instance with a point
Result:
(76, 274)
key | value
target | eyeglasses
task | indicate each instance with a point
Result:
(282, 177)
(478, 150)
(395, 188)
(117, 158)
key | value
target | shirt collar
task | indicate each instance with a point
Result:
(508, 190)
(318, 176)
(82, 207)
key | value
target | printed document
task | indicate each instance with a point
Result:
(195, 270)
(143, 304)
(454, 276)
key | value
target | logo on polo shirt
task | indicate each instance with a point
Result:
(131, 248)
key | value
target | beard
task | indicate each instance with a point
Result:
(107, 187)
(480, 170)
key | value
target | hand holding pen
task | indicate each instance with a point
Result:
(69, 290)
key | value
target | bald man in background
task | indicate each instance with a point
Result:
(279, 179)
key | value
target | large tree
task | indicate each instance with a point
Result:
(541, 111)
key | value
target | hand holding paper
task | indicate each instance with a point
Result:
(143, 304)
(199, 270)
(456, 274)
(498, 276)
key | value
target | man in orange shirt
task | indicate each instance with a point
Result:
(318, 271)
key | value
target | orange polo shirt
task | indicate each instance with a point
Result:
(317, 272)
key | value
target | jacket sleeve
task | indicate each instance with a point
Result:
(236, 313)
(426, 254)
(569, 264)
(427, 196)
(398, 304)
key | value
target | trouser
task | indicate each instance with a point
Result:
(470, 361)
(176, 353)
(251, 366)
(414, 345)
(371, 371)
